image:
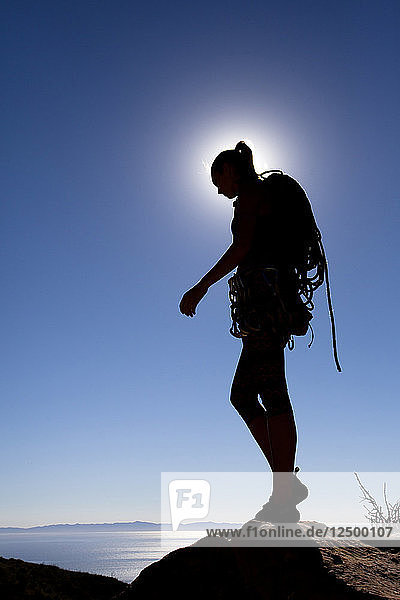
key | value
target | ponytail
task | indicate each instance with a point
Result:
(246, 157)
(241, 158)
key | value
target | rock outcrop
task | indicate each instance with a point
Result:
(264, 572)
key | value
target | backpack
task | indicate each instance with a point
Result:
(309, 261)
(256, 301)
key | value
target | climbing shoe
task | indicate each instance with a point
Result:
(278, 513)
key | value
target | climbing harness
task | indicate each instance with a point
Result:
(257, 305)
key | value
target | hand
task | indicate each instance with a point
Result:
(191, 299)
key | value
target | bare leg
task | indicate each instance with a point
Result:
(261, 371)
(283, 436)
(259, 430)
(277, 438)
(283, 439)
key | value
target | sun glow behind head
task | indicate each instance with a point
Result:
(266, 155)
(268, 137)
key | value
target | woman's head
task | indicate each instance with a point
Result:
(231, 168)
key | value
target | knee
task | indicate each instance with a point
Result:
(246, 404)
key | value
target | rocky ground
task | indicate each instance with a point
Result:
(20, 580)
(311, 572)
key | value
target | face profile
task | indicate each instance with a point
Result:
(226, 181)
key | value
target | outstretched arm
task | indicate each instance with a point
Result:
(229, 260)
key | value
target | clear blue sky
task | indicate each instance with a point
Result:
(109, 112)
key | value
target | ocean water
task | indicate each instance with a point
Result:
(122, 555)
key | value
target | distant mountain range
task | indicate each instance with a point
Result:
(131, 526)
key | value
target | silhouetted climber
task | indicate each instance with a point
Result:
(275, 243)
